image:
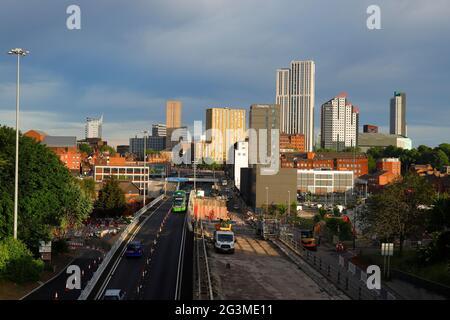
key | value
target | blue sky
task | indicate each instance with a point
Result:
(131, 56)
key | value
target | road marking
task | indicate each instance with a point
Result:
(180, 262)
(119, 259)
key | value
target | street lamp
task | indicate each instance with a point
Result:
(267, 199)
(145, 162)
(18, 52)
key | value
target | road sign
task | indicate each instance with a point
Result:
(45, 247)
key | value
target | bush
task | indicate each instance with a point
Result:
(17, 263)
(24, 269)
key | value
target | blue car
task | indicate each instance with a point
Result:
(134, 249)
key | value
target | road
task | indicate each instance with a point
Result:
(164, 273)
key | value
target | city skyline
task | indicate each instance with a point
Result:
(62, 83)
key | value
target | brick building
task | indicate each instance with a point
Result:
(339, 161)
(294, 142)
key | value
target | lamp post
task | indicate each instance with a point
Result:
(145, 162)
(19, 53)
(267, 200)
(289, 203)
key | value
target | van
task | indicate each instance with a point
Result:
(224, 241)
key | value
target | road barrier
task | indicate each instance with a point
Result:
(91, 284)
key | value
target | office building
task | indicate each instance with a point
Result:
(370, 140)
(368, 128)
(264, 117)
(337, 161)
(159, 130)
(258, 189)
(122, 150)
(324, 181)
(295, 93)
(150, 142)
(173, 114)
(175, 136)
(398, 114)
(93, 128)
(339, 124)
(224, 127)
(240, 161)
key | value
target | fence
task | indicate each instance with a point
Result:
(341, 272)
(107, 259)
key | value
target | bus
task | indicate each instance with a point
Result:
(179, 201)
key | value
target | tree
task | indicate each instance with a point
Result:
(84, 147)
(78, 206)
(88, 186)
(395, 212)
(282, 209)
(446, 148)
(111, 199)
(43, 182)
(372, 164)
(439, 216)
(108, 149)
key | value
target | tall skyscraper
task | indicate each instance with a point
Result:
(398, 114)
(220, 144)
(173, 114)
(295, 93)
(339, 124)
(264, 116)
(93, 128)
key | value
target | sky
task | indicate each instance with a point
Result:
(129, 57)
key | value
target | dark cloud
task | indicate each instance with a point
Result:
(130, 56)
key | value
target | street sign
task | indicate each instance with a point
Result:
(45, 247)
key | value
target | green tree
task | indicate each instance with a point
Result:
(88, 186)
(446, 148)
(282, 209)
(84, 147)
(43, 182)
(395, 212)
(439, 216)
(372, 164)
(111, 199)
(108, 149)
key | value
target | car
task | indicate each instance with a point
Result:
(114, 294)
(236, 206)
(134, 249)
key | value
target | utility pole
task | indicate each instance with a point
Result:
(18, 52)
(145, 163)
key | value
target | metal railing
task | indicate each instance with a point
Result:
(345, 275)
(107, 259)
(203, 274)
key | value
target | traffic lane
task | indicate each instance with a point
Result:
(161, 284)
(128, 274)
(55, 289)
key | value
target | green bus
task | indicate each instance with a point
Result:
(179, 201)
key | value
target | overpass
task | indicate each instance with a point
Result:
(184, 179)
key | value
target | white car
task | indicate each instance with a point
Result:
(114, 294)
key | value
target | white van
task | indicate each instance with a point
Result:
(224, 241)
